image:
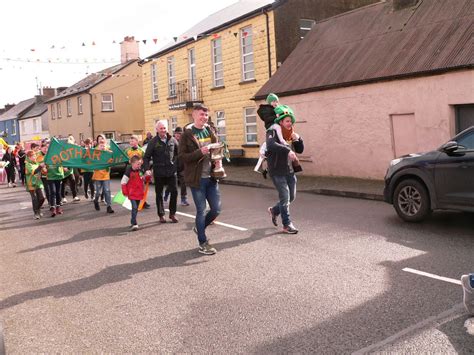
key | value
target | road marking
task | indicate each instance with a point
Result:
(216, 222)
(433, 276)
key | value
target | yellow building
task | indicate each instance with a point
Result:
(224, 60)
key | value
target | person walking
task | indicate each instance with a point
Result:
(21, 162)
(136, 150)
(133, 187)
(282, 162)
(44, 171)
(71, 181)
(163, 150)
(55, 175)
(10, 168)
(87, 175)
(194, 154)
(178, 131)
(34, 185)
(102, 184)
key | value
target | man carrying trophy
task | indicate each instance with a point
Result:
(202, 161)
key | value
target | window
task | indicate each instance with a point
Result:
(13, 128)
(248, 70)
(220, 125)
(68, 107)
(58, 106)
(305, 26)
(53, 112)
(464, 117)
(466, 141)
(171, 77)
(23, 127)
(35, 125)
(192, 73)
(109, 135)
(250, 125)
(174, 123)
(107, 102)
(217, 66)
(154, 83)
(79, 105)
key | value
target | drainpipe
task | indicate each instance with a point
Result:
(268, 44)
(92, 116)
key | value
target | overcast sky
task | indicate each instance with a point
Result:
(54, 30)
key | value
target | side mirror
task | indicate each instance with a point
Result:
(450, 147)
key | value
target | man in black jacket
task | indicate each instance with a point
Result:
(163, 150)
(281, 158)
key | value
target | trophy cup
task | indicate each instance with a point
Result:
(217, 153)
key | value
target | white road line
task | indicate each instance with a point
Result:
(433, 276)
(216, 222)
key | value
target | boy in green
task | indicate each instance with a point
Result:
(34, 185)
(55, 176)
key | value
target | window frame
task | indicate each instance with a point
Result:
(243, 56)
(154, 82)
(58, 108)
(252, 124)
(53, 111)
(14, 131)
(221, 136)
(306, 29)
(68, 108)
(216, 63)
(173, 124)
(107, 102)
(171, 70)
(79, 105)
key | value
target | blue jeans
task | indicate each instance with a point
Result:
(286, 187)
(135, 204)
(54, 187)
(208, 190)
(104, 186)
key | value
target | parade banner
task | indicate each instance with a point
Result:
(3, 143)
(122, 200)
(74, 156)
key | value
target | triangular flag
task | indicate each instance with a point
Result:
(235, 34)
(175, 39)
(215, 35)
(93, 43)
(32, 49)
(52, 47)
(144, 41)
(155, 40)
(114, 41)
(83, 44)
(122, 200)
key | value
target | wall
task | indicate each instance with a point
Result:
(27, 131)
(128, 115)
(7, 126)
(349, 132)
(233, 97)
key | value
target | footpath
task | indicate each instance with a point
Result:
(323, 185)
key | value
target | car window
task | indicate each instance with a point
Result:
(466, 142)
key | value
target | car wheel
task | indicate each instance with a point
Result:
(411, 201)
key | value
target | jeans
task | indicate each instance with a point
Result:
(171, 183)
(72, 184)
(54, 192)
(208, 190)
(46, 189)
(286, 187)
(88, 183)
(37, 198)
(104, 186)
(135, 204)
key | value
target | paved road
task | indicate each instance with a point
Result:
(81, 282)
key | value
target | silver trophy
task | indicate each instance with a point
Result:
(217, 153)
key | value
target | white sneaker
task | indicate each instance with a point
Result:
(468, 297)
(134, 227)
(64, 200)
(76, 199)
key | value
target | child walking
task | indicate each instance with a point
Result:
(102, 184)
(34, 185)
(132, 187)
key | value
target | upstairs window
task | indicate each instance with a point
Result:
(217, 66)
(107, 102)
(171, 77)
(246, 48)
(68, 107)
(305, 26)
(154, 83)
(79, 105)
(58, 106)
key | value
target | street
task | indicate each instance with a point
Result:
(350, 281)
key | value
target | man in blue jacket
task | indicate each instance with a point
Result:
(282, 163)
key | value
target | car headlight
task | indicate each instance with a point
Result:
(395, 161)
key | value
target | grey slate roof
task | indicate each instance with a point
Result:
(227, 15)
(376, 43)
(37, 109)
(18, 110)
(90, 81)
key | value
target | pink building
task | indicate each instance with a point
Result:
(375, 83)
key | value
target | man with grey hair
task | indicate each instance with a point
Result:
(163, 151)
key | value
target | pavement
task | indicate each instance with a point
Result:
(322, 185)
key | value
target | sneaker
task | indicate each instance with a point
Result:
(86, 196)
(110, 210)
(173, 218)
(467, 282)
(59, 210)
(13, 185)
(274, 217)
(290, 229)
(207, 249)
(64, 200)
(10, 184)
(37, 216)
(53, 211)
(134, 227)
(162, 219)
(184, 202)
(146, 205)
(97, 206)
(76, 199)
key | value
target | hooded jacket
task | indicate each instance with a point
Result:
(164, 156)
(33, 175)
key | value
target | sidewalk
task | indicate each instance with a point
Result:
(333, 186)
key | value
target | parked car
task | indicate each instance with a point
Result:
(443, 179)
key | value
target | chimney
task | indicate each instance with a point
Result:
(403, 4)
(49, 92)
(9, 106)
(129, 49)
(60, 89)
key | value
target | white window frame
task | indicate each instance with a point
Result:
(154, 82)
(109, 135)
(173, 123)
(107, 102)
(53, 112)
(246, 52)
(36, 126)
(58, 107)
(68, 108)
(217, 64)
(192, 73)
(23, 127)
(250, 124)
(304, 28)
(220, 126)
(13, 128)
(171, 69)
(79, 105)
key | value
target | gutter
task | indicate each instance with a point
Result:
(265, 12)
(92, 115)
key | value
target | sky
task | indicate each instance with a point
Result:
(42, 41)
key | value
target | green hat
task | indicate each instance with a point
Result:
(283, 111)
(272, 97)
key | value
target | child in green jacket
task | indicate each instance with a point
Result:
(55, 176)
(34, 185)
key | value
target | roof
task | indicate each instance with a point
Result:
(221, 18)
(37, 109)
(17, 110)
(90, 81)
(376, 43)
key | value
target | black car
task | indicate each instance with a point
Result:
(417, 184)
